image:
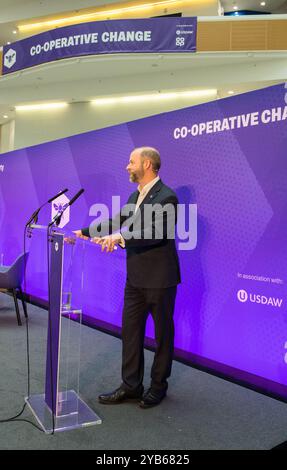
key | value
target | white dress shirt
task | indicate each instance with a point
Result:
(142, 194)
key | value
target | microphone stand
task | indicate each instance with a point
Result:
(57, 219)
(34, 216)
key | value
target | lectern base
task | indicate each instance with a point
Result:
(73, 412)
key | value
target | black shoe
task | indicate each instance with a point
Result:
(118, 396)
(151, 398)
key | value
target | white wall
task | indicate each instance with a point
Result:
(7, 133)
(34, 127)
(207, 8)
(15, 10)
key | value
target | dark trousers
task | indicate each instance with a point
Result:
(138, 303)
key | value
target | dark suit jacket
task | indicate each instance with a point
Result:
(152, 260)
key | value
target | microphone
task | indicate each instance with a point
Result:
(57, 219)
(34, 216)
(76, 197)
(58, 195)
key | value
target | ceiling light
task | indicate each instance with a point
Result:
(103, 14)
(5, 116)
(231, 92)
(263, 4)
(42, 106)
(235, 7)
(8, 43)
(155, 97)
(14, 31)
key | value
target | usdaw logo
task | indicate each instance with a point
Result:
(243, 296)
(10, 58)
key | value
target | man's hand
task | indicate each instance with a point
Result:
(70, 240)
(79, 234)
(109, 242)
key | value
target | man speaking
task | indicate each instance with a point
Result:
(152, 277)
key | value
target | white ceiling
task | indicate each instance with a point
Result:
(85, 78)
(126, 65)
(272, 6)
(14, 11)
(17, 9)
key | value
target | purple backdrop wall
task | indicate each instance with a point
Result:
(231, 303)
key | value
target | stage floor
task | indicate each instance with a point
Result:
(200, 412)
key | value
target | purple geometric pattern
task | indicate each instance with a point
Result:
(238, 180)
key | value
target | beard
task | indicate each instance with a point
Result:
(135, 176)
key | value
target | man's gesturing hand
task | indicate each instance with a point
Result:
(109, 242)
(79, 234)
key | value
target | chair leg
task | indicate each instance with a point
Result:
(23, 302)
(16, 307)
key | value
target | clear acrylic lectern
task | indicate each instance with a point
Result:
(59, 407)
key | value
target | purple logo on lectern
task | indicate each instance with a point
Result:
(60, 205)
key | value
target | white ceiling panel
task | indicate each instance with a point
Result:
(271, 6)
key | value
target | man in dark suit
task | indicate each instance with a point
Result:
(152, 276)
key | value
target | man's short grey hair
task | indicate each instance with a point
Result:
(153, 155)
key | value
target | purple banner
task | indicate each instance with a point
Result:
(102, 37)
(229, 158)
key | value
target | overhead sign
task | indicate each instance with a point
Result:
(102, 37)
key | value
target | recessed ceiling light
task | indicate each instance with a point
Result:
(14, 31)
(42, 106)
(231, 92)
(128, 99)
(263, 4)
(110, 13)
(8, 43)
(5, 116)
(235, 7)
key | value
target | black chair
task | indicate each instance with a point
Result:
(11, 278)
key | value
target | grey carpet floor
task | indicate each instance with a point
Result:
(200, 412)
